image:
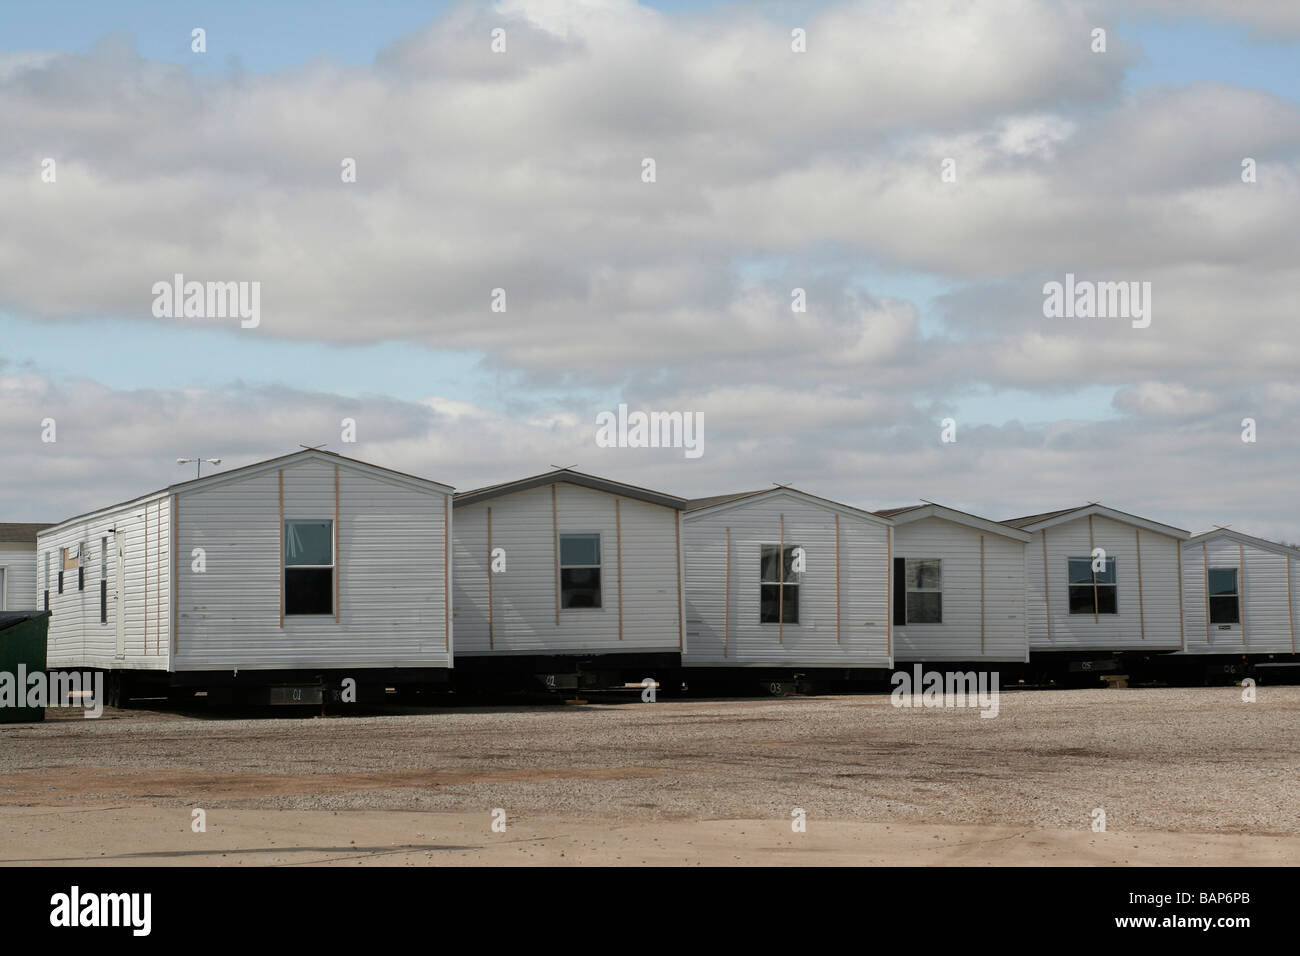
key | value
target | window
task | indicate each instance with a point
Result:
(308, 567)
(103, 580)
(47, 580)
(69, 560)
(1093, 593)
(778, 587)
(1224, 604)
(580, 571)
(923, 579)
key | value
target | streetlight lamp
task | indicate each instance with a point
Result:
(198, 464)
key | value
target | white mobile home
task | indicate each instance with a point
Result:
(786, 580)
(959, 587)
(1240, 594)
(311, 564)
(18, 590)
(565, 571)
(1098, 579)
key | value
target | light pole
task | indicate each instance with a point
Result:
(198, 464)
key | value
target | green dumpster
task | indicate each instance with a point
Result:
(22, 653)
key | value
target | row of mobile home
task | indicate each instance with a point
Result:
(298, 574)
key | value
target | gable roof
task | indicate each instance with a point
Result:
(294, 457)
(930, 509)
(1263, 544)
(697, 504)
(14, 533)
(569, 477)
(1049, 519)
(246, 471)
(890, 512)
(716, 503)
(1034, 519)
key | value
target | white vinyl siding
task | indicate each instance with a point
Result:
(1147, 591)
(1265, 621)
(391, 556)
(522, 617)
(77, 637)
(724, 627)
(21, 592)
(958, 638)
(390, 573)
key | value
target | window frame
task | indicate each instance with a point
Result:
(909, 590)
(782, 582)
(332, 567)
(1235, 595)
(598, 567)
(103, 579)
(1094, 585)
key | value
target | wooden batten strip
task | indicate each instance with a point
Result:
(1182, 631)
(726, 598)
(1092, 548)
(157, 583)
(175, 581)
(1047, 591)
(981, 594)
(555, 547)
(281, 476)
(1290, 607)
(1142, 618)
(338, 564)
(889, 598)
(837, 579)
(780, 590)
(446, 573)
(618, 546)
(681, 608)
(1241, 590)
(1205, 587)
(491, 620)
(145, 647)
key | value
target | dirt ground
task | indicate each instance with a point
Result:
(1184, 776)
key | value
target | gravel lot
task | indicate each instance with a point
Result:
(1174, 760)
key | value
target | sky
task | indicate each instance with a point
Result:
(128, 157)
